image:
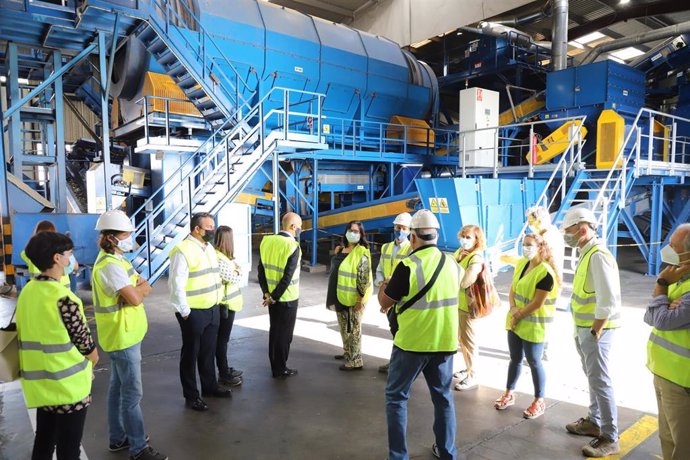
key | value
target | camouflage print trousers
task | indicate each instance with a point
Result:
(350, 322)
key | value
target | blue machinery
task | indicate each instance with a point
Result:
(268, 106)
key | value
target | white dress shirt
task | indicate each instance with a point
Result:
(379, 269)
(114, 278)
(603, 279)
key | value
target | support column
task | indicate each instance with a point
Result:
(14, 129)
(315, 211)
(276, 193)
(656, 207)
(7, 266)
(60, 198)
(105, 117)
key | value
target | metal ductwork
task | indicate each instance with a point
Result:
(659, 34)
(526, 18)
(625, 13)
(559, 35)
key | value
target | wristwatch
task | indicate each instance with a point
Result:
(662, 282)
(594, 333)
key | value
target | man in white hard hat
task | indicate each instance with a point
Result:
(595, 304)
(392, 253)
(118, 300)
(423, 291)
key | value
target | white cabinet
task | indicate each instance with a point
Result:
(478, 110)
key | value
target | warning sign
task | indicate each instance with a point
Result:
(433, 204)
(443, 205)
(480, 94)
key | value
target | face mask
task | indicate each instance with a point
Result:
(466, 243)
(70, 268)
(298, 232)
(670, 256)
(352, 237)
(126, 245)
(529, 252)
(208, 235)
(571, 240)
(401, 235)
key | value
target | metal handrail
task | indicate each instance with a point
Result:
(561, 165)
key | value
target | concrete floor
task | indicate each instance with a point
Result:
(326, 414)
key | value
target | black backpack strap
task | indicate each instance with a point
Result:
(426, 288)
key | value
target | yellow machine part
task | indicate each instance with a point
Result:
(418, 131)
(664, 132)
(555, 143)
(161, 85)
(372, 212)
(610, 137)
(523, 109)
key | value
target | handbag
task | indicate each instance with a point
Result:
(393, 313)
(9, 352)
(482, 295)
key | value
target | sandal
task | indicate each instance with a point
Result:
(504, 402)
(536, 409)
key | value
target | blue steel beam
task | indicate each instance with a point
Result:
(315, 212)
(635, 233)
(60, 199)
(49, 81)
(105, 116)
(654, 261)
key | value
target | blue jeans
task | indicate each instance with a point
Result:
(533, 352)
(404, 369)
(125, 420)
(595, 362)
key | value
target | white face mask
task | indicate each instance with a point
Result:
(352, 237)
(127, 244)
(572, 240)
(529, 252)
(670, 256)
(466, 243)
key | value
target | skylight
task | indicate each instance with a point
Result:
(627, 53)
(594, 36)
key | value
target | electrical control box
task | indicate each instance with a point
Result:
(478, 110)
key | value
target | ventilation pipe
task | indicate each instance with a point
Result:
(526, 18)
(659, 34)
(559, 35)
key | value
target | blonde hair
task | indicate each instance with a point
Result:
(479, 239)
(544, 252)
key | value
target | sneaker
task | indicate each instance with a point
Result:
(584, 427)
(384, 369)
(467, 384)
(601, 447)
(122, 445)
(435, 452)
(460, 374)
(235, 372)
(148, 454)
(229, 380)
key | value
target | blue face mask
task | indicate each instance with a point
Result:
(401, 235)
(70, 268)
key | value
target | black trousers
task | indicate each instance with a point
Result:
(282, 320)
(224, 331)
(63, 431)
(199, 335)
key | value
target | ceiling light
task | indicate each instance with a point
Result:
(627, 53)
(624, 2)
(615, 59)
(590, 38)
(576, 45)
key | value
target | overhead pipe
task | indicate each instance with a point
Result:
(559, 35)
(541, 12)
(659, 34)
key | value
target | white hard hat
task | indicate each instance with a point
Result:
(114, 220)
(578, 215)
(403, 218)
(424, 219)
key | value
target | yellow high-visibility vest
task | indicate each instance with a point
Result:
(203, 286)
(668, 352)
(52, 370)
(388, 262)
(231, 294)
(583, 303)
(275, 250)
(431, 323)
(347, 277)
(119, 325)
(533, 327)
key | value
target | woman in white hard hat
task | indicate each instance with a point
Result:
(532, 305)
(469, 256)
(118, 294)
(392, 253)
(349, 288)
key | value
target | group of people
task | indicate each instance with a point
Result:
(423, 291)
